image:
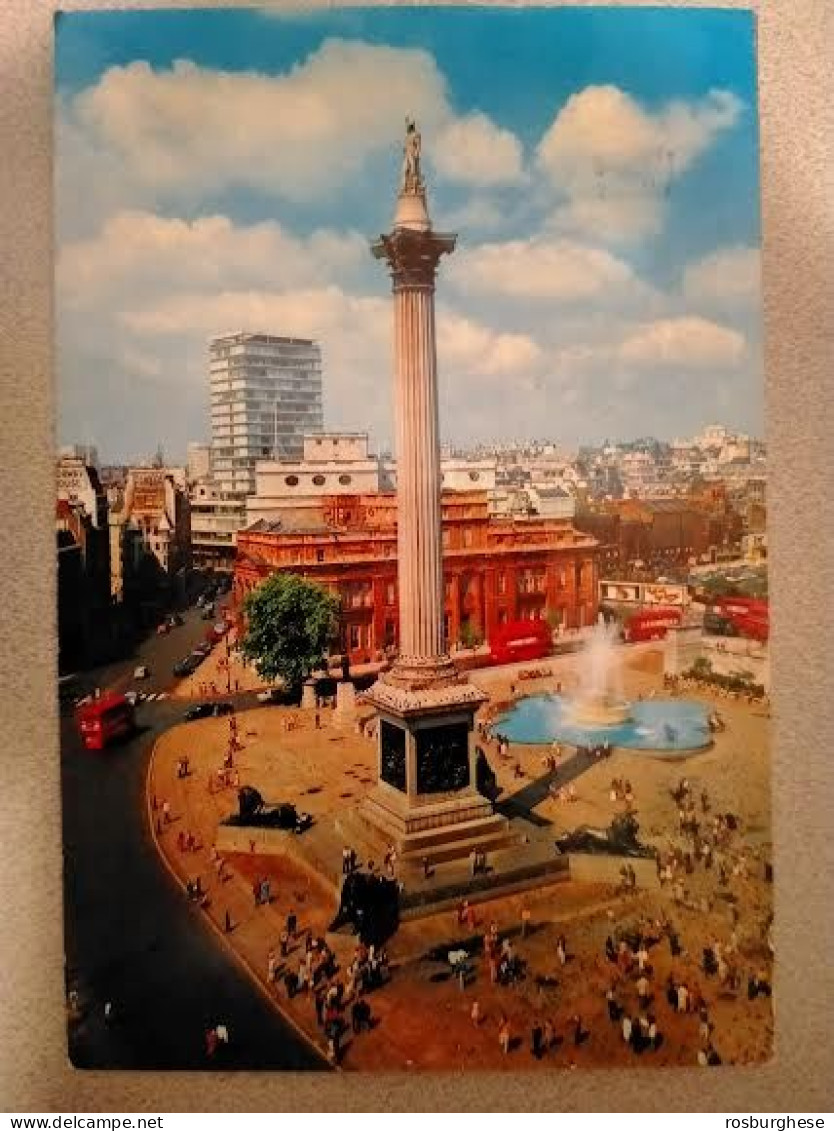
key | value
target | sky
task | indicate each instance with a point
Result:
(227, 169)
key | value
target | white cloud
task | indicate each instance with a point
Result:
(691, 343)
(140, 253)
(730, 275)
(140, 137)
(679, 345)
(541, 269)
(477, 214)
(296, 134)
(473, 150)
(612, 160)
(624, 217)
(477, 350)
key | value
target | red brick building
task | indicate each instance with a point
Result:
(496, 569)
(662, 533)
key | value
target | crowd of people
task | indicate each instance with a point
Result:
(339, 998)
(634, 999)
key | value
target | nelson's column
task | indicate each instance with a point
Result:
(425, 798)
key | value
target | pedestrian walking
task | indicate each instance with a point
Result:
(561, 950)
(318, 1001)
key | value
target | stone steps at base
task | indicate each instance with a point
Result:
(490, 840)
(444, 835)
(447, 894)
(438, 845)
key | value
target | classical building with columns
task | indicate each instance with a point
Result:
(495, 570)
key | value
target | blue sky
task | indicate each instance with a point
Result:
(600, 166)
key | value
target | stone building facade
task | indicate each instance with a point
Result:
(496, 570)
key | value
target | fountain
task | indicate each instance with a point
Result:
(599, 712)
(600, 702)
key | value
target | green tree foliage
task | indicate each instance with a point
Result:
(470, 634)
(290, 623)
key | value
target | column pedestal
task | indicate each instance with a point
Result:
(426, 800)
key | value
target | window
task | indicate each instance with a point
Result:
(319, 555)
(467, 536)
(291, 480)
(502, 583)
(344, 480)
(390, 593)
(354, 639)
(318, 480)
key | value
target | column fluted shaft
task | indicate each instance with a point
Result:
(419, 539)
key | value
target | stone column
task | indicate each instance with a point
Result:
(412, 254)
(418, 471)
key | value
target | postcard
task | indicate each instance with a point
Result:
(411, 539)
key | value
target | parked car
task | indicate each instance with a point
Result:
(270, 695)
(221, 628)
(186, 667)
(201, 651)
(208, 711)
(207, 613)
(198, 711)
(163, 629)
(142, 672)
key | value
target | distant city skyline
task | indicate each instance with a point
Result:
(176, 459)
(601, 169)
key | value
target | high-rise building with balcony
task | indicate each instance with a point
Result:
(266, 393)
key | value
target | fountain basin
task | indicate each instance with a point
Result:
(598, 711)
(663, 727)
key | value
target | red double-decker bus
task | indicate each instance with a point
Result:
(650, 624)
(520, 640)
(749, 616)
(103, 720)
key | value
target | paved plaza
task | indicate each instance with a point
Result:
(326, 771)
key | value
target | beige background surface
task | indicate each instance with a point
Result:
(796, 63)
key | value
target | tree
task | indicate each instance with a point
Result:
(470, 634)
(290, 623)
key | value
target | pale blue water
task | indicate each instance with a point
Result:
(655, 724)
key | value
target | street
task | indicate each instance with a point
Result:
(157, 653)
(131, 938)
